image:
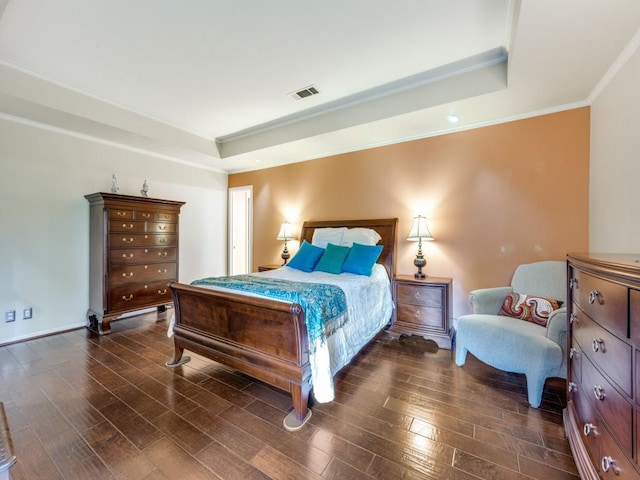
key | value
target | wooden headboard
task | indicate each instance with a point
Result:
(385, 227)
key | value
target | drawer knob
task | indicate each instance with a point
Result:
(162, 271)
(417, 313)
(573, 352)
(121, 214)
(573, 318)
(162, 292)
(598, 392)
(127, 240)
(163, 240)
(588, 429)
(162, 254)
(607, 463)
(162, 227)
(146, 215)
(597, 345)
(595, 295)
(126, 299)
(572, 387)
(573, 282)
(417, 295)
(127, 227)
(128, 257)
(124, 275)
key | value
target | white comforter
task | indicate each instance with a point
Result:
(369, 308)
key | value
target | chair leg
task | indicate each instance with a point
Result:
(535, 386)
(461, 354)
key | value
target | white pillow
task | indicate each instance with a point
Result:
(363, 236)
(323, 236)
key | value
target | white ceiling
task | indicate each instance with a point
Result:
(207, 82)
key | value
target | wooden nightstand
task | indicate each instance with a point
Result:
(266, 268)
(423, 307)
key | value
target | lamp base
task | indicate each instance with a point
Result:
(285, 255)
(420, 262)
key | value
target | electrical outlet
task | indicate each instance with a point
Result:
(10, 316)
(27, 313)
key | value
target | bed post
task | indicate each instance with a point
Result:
(301, 412)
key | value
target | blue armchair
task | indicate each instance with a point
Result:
(515, 345)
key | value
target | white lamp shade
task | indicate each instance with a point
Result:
(419, 229)
(286, 232)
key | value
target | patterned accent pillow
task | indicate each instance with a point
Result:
(529, 307)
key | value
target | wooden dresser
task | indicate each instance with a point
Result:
(423, 307)
(133, 255)
(602, 418)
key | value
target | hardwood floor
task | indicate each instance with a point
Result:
(86, 407)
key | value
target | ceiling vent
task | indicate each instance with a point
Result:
(304, 92)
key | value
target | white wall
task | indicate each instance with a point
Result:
(44, 220)
(614, 224)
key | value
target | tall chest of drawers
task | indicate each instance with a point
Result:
(133, 255)
(602, 418)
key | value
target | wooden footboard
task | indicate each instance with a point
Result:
(265, 339)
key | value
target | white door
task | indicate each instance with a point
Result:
(240, 230)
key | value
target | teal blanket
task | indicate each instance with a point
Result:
(325, 306)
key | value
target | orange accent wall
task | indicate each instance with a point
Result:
(494, 197)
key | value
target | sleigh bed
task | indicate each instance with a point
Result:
(267, 338)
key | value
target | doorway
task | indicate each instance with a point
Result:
(240, 230)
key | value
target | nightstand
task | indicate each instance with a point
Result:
(266, 268)
(423, 307)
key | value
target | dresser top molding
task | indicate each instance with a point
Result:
(103, 197)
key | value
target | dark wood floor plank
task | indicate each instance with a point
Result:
(74, 458)
(190, 438)
(37, 464)
(226, 464)
(174, 463)
(138, 430)
(88, 406)
(120, 455)
(279, 466)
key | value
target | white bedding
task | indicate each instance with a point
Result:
(369, 308)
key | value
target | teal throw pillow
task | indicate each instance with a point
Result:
(332, 259)
(361, 259)
(306, 257)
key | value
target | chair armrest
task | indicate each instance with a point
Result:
(557, 327)
(488, 300)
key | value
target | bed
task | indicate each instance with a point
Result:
(267, 338)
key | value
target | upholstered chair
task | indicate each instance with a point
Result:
(516, 345)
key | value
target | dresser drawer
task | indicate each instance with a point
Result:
(145, 215)
(603, 348)
(120, 214)
(419, 315)
(128, 298)
(604, 301)
(161, 227)
(589, 424)
(136, 240)
(142, 255)
(612, 462)
(419, 295)
(610, 405)
(126, 226)
(129, 274)
(167, 217)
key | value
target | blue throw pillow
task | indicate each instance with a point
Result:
(306, 257)
(332, 259)
(361, 259)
